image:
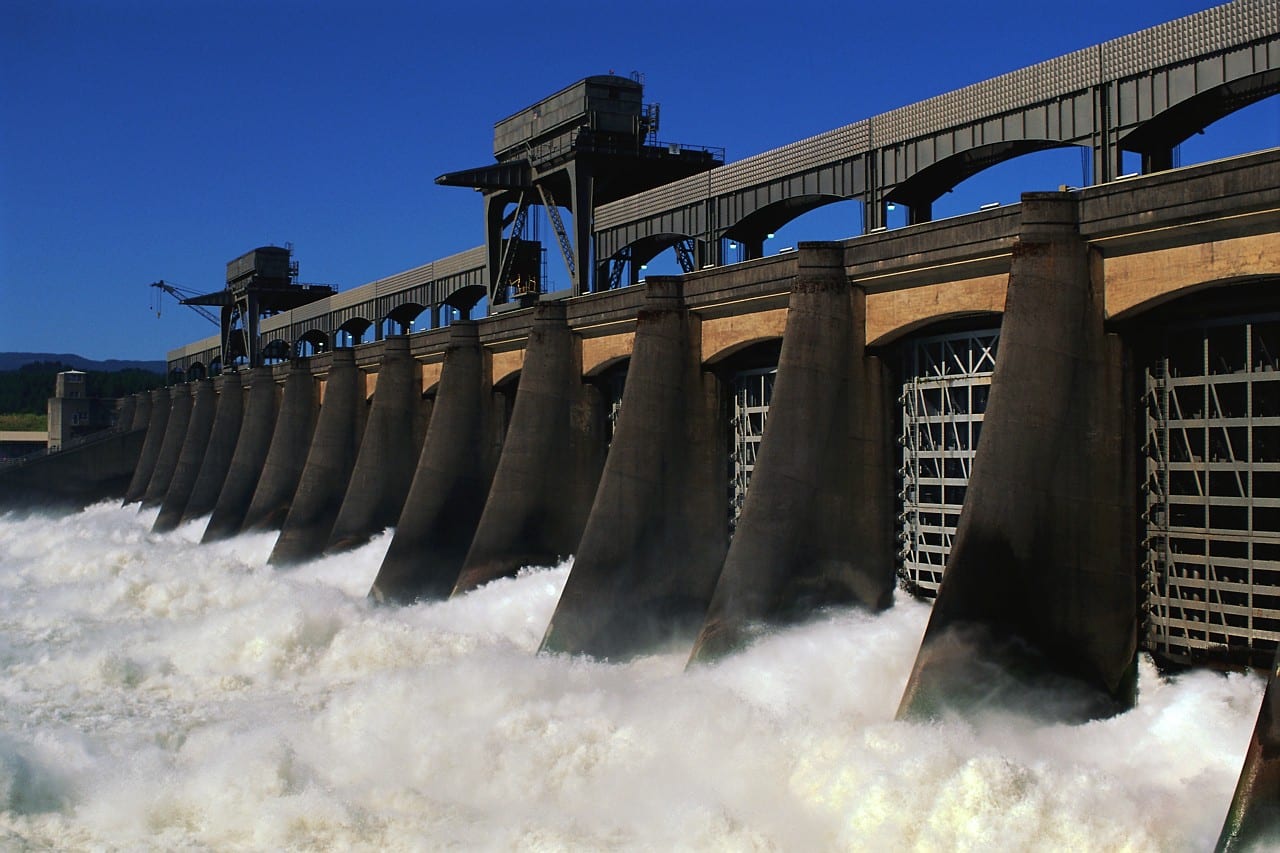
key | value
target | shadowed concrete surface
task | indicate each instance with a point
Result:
(1254, 817)
(251, 449)
(223, 438)
(157, 423)
(204, 404)
(816, 528)
(283, 446)
(329, 464)
(1045, 554)
(99, 469)
(382, 474)
(175, 434)
(447, 497)
(550, 464)
(657, 533)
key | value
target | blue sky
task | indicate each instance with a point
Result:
(158, 139)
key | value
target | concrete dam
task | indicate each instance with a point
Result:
(1059, 419)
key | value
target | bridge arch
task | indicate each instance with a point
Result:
(276, 350)
(761, 223)
(921, 188)
(1156, 137)
(351, 333)
(401, 319)
(311, 343)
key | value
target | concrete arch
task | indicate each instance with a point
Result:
(402, 318)
(745, 355)
(196, 371)
(602, 368)
(725, 337)
(1138, 282)
(177, 375)
(1156, 137)
(645, 249)
(506, 368)
(215, 366)
(923, 187)
(894, 313)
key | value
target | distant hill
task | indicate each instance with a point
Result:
(14, 360)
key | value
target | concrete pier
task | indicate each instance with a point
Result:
(223, 438)
(157, 424)
(141, 410)
(175, 434)
(330, 461)
(1253, 821)
(284, 450)
(817, 526)
(1041, 582)
(382, 475)
(247, 461)
(550, 464)
(451, 483)
(655, 540)
(204, 405)
(125, 408)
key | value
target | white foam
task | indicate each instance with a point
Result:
(160, 694)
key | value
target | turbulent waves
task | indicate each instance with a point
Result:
(159, 694)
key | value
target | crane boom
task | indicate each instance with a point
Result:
(182, 294)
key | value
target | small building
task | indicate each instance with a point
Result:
(72, 413)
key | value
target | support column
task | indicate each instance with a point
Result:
(550, 464)
(329, 463)
(171, 448)
(222, 446)
(817, 526)
(247, 463)
(382, 476)
(1041, 582)
(451, 483)
(656, 537)
(284, 451)
(204, 402)
(157, 423)
(1254, 817)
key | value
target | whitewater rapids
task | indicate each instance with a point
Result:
(158, 694)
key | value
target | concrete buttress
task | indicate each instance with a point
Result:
(330, 460)
(1039, 594)
(1253, 822)
(204, 405)
(284, 451)
(384, 467)
(550, 464)
(175, 434)
(656, 536)
(222, 446)
(125, 409)
(247, 462)
(817, 527)
(141, 411)
(157, 423)
(452, 479)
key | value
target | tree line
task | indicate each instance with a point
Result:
(29, 388)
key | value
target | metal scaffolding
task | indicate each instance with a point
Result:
(752, 393)
(946, 381)
(1212, 489)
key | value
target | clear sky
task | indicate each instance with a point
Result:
(158, 139)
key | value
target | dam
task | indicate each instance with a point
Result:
(1061, 418)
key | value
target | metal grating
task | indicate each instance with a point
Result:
(1212, 488)
(946, 381)
(752, 394)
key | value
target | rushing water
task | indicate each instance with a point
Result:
(159, 694)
